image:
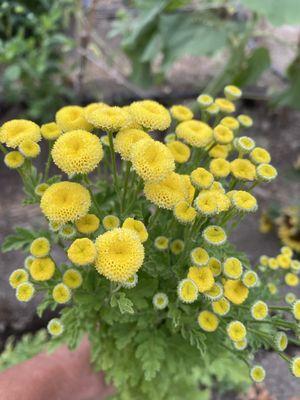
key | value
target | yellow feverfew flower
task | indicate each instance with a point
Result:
(202, 178)
(296, 310)
(181, 113)
(215, 265)
(14, 132)
(272, 288)
(295, 265)
(208, 321)
(90, 108)
(219, 151)
(77, 152)
(111, 222)
(236, 331)
(226, 106)
(199, 256)
(72, 278)
(244, 144)
(151, 115)
(291, 279)
(187, 291)
(50, 131)
(177, 246)
(61, 293)
(203, 278)
(232, 92)
(67, 231)
(136, 226)
(264, 260)
(290, 298)
(219, 167)
(109, 119)
(232, 268)
(257, 373)
(214, 235)
(87, 224)
(221, 307)
(250, 279)
(160, 301)
(286, 250)
(120, 254)
(243, 169)
(206, 204)
(184, 212)
(273, 263)
(55, 327)
(241, 345)
(17, 277)
(205, 100)
(41, 189)
(69, 118)
(213, 109)
(222, 134)
(29, 148)
(231, 123)
(180, 151)
(28, 261)
(42, 269)
(284, 261)
(25, 292)
(195, 133)
(161, 243)
(14, 159)
(295, 366)
(244, 201)
(215, 293)
(281, 341)
(40, 247)
(259, 310)
(235, 291)
(82, 251)
(260, 156)
(266, 172)
(65, 202)
(152, 160)
(131, 282)
(126, 139)
(168, 192)
(245, 120)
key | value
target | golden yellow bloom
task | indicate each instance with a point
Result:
(295, 265)
(41, 189)
(214, 235)
(199, 256)
(42, 269)
(180, 151)
(236, 331)
(257, 373)
(195, 133)
(203, 278)
(77, 152)
(177, 246)
(29, 148)
(286, 250)
(161, 242)
(202, 178)
(221, 307)
(281, 341)
(90, 108)
(243, 169)
(181, 113)
(295, 366)
(136, 226)
(250, 279)
(69, 118)
(17, 277)
(264, 260)
(65, 202)
(109, 119)
(222, 134)
(219, 167)
(25, 291)
(245, 120)
(72, 278)
(151, 115)
(111, 222)
(213, 109)
(187, 291)
(272, 288)
(260, 156)
(205, 100)
(208, 321)
(184, 212)
(152, 160)
(273, 263)
(296, 310)
(87, 224)
(40, 247)
(61, 293)
(82, 251)
(206, 204)
(55, 327)
(160, 301)
(222, 200)
(241, 345)
(266, 172)
(14, 132)
(235, 291)
(291, 279)
(131, 121)
(231, 123)
(232, 92)
(226, 106)
(126, 139)
(259, 310)
(14, 159)
(244, 144)
(244, 201)
(120, 254)
(232, 268)
(168, 192)
(215, 265)
(215, 293)
(284, 261)
(219, 151)
(50, 131)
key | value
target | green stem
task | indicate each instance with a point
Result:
(3, 149)
(127, 173)
(48, 163)
(113, 159)
(152, 219)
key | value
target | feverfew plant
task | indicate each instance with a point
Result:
(148, 273)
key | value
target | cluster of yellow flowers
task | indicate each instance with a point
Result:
(202, 176)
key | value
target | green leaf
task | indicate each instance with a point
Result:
(12, 73)
(125, 305)
(20, 240)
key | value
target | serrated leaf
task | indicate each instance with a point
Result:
(20, 240)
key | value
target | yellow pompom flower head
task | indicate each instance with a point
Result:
(199, 256)
(244, 144)
(259, 310)
(219, 167)
(61, 293)
(250, 279)
(67, 231)
(14, 132)
(221, 307)
(266, 172)
(160, 301)
(241, 345)
(109, 119)
(138, 227)
(195, 133)
(40, 247)
(55, 327)
(87, 224)
(244, 201)
(187, 291)
(111, 222)
(215, 293)
(77, 152)
(245, 120)
(120, 254)
(235, 291)
(225, 105)
(41, 189)
(243, 170)
(232, 92)
(72, 278)
(50, 131)
(214, 235)
(202, 277)
(201, 178)
(17, 277)
(231, 123)
(70, 118)
(291, 279)
(205, 100)
(257, 373)
(281, 341)
(236, 331)
(208, 321)
(260, 156)
(222, 134)
(296, 310)
(180, 151)
(177, 246)
(29, 148)
(65, 202)
(42, 269)
(213, 109)
(232, 268)
(161, 243)
(205, 203)
(25, 292)
(82, 252)
(126, 139)
(295, 366)
(151, 115)
(131, 282)
(181, 113)
(215, 265)
(184, 213)
(14, 159)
